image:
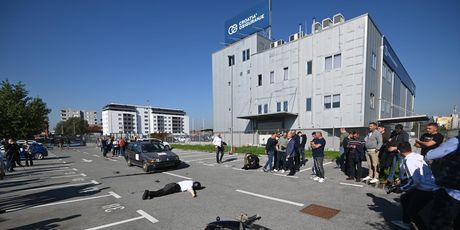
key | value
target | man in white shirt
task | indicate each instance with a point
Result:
(219, 145)
(446, 205)
(418, 185)
(181, 186)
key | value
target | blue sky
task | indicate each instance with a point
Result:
(87, 53)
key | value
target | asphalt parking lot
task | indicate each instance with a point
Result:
(79, 189)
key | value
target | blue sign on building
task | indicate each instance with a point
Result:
(389, 56)
(247, 23)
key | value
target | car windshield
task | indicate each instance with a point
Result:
(152, 147)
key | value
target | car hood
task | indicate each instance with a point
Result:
(160, 155)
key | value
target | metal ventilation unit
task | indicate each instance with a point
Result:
(296, 36)
(338, 18)
(327, 22)
(277, 43)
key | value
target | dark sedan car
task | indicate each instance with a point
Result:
(150, 155)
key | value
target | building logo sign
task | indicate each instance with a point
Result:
(247, 23)
(392, 60)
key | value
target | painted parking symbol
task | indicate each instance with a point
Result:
(112, 207)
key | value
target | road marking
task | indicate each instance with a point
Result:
(78, 179)
(59, 186)
(55, 177)
(115, 195)
(58, 203)
(172, 174)
(70, 173)
(96, 155)
(85, 153)
(87, 161)
(74, 169)
(270, 198)
(94, 182)
(208, 164)
(110, 159)
(192, 156)
(355, 185)
(147, 216)
(143, 214)
(275, 174)
(239, 169)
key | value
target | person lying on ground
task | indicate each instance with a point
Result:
(181, 186)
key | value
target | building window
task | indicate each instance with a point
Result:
(372, 101)
(327, 102)
(260, 109)
(308, 104)
(231, 60)
(119, 114)
(337, 61)
(119, 118)
(266, 108)
(259, 80)
(336, 101)
(246, 55)
(328, 63)
(285, 106)
(272, 77)
(374, 61)
(309, 67)
(278, 106)
(286, 75)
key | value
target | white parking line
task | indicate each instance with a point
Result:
(96, 155)
(303, 170)
(147, 216)
(200, 159)
(209, 164)
(172, 174)
(140, 212)
(73, 175)
(192, 156)
(355, 185)
(66, 202)
(85, 153)
(110, 159)
(270, 198)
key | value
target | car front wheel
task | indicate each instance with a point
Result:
(145, 167)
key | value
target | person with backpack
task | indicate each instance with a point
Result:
(445, 165)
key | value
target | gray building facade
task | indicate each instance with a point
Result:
(342, 74)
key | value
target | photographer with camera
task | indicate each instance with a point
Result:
(418, 185)
(446, 169)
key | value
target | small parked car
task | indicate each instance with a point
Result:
(38, 151)
(150, 155)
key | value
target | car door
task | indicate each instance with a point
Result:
(130, 151)
(137, 154)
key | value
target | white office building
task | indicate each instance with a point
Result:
(143, 120)
(87, 115)
(342, 74)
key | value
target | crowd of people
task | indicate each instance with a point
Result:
(13, 154)
(112, 145)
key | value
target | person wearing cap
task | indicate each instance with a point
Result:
(181, 186)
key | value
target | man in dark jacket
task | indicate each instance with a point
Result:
(297, 148)
(397, 137)
(12, 155)
(356, 153)
(291, 153)
(270, 148)
(303, 142)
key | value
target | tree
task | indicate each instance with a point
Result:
(73, 126)
(20, 115)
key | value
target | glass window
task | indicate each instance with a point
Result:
(336, 101)
(285, 106)
(337, 61)
(259, 80)
(372, 101)
(286, 76)
(260, 109)
(309, 67)
(266, 108)
(231, 60)
(247, 54)
(374, 61)
(278, 106)
(328, 63)
(244, 55)
(308, 104)
(272, 77)
(327, 102)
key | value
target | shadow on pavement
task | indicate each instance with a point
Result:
(47, 196)
(6, 183)
(183, 165)
(230, 159)
(388, 210)
(46, 224)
